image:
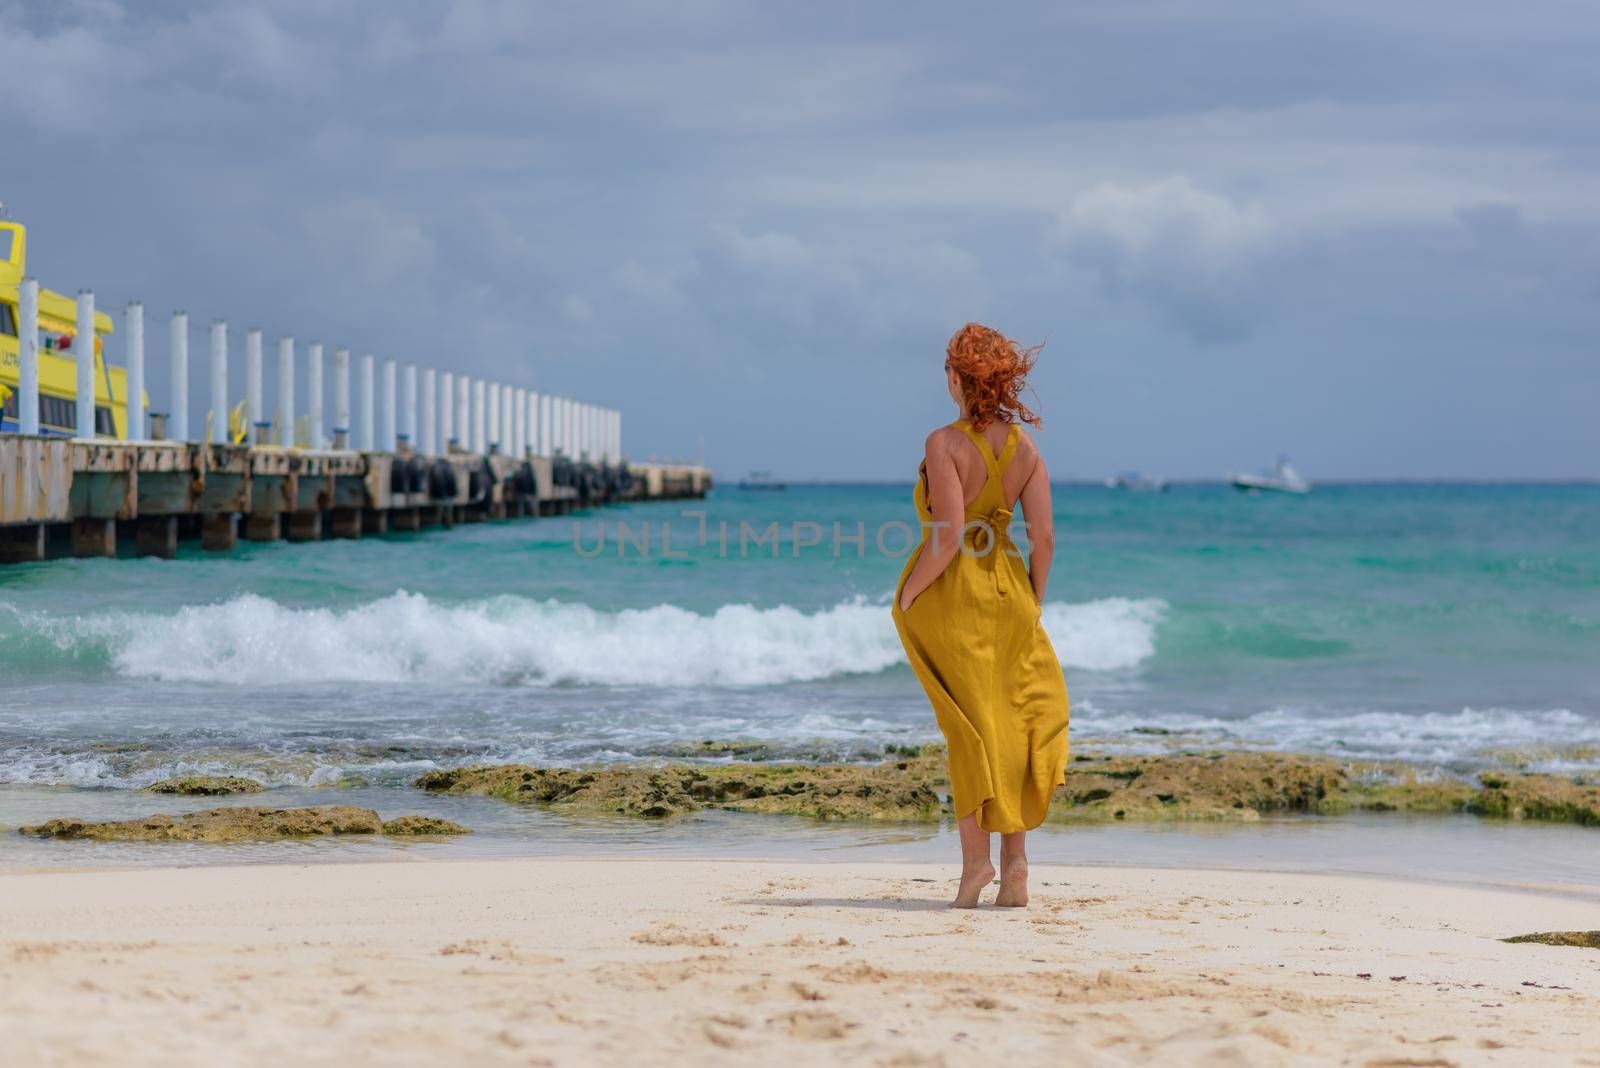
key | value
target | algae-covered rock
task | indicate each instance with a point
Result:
(1243, 786)
(219, 825)
(1538, 797)
(1581, 939)
(649, 792)
(894, 790)
(206, 785)
(244, 824)
(1209, 786)
(415, 825)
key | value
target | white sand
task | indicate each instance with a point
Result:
(665, 962)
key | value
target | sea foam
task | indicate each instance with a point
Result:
(407, 637)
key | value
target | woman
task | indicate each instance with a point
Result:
(967, 610)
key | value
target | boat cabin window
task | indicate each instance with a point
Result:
(61, 414)
(8, 319)
(58, 413)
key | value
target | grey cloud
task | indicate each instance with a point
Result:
(663, 204)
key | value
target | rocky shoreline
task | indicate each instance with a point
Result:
(909, 785)
(906, 784)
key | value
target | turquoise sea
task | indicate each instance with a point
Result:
(1455, 626)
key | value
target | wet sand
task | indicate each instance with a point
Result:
(644, 962)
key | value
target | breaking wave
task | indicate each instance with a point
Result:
(252, 640)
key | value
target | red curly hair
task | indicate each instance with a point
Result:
(992, 370)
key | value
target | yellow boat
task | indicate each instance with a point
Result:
(58, 367)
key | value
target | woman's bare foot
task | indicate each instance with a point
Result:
(973, 880)
(1014, 885)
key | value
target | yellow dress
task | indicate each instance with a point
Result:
(976, 643)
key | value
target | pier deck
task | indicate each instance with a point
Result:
(75, 495)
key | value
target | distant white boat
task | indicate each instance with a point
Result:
(1137, 482)
(1283, 479)
(761, 480)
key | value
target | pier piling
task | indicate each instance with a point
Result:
(94, 536)
(22, 544)
(156, 535)
(260, 526)
(219, 531)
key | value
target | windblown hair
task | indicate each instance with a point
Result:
(992, 369)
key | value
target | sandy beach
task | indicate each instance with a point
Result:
(578, 962)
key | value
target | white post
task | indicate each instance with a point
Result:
(463, 438)
(564, 426)
(556, 444)
(252, 383)
(425, 433)
(133, 384)
(408, 405)
(314, 416)
(368, 431)
(178, 422)
(83, 352)
(508, 436)
(285, 416)
(28, 357)
(480, 439)
(519, 440)
(621, 452)
(494, 414)
(386, 431)
(544, 424)
(514, 418)
(532, 443)
(571, 421)
(447, 411)
(341, 394)
(218, 431)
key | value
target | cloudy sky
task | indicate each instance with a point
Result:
(1363, 233)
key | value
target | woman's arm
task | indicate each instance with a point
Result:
(944, 501)
(1036, 509)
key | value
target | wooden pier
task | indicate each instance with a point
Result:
(82, 497)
